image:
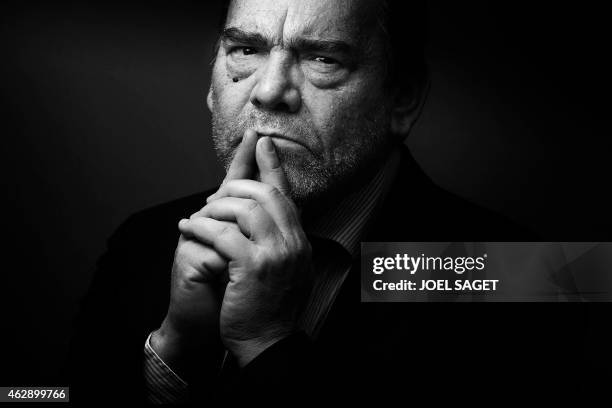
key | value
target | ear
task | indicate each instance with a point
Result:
(407, 107)
(209, 100)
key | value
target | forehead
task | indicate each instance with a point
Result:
(283, 19)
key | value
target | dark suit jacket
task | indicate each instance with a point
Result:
(369, 349)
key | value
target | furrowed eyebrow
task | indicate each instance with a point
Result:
(237, 35)
(313, 45)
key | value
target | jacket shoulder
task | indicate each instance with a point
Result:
(155, 220)
(416, 209)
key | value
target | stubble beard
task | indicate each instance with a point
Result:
(360, 145)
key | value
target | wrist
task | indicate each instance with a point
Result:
(246, 350)
(169, 347)
(181, 351)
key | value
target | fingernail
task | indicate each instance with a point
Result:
(182, 223)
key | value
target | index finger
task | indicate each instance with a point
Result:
(243, 164)
(270, 169)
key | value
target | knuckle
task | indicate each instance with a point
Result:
(272, 191)
(225, 230)
(228, 184)
(190, 274)
(251, 205)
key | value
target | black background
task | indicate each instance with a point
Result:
(104, 114)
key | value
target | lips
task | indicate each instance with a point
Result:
(276, 135)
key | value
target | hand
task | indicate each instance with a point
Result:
(188, 338)
(256, 227)
(199, 275)
(195, 300)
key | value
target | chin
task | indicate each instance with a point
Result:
(304, 188)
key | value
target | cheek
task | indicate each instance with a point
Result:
(229, 97)
(335, 111)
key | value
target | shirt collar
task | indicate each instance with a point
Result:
(345, 222)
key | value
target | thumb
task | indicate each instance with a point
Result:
(268, 162)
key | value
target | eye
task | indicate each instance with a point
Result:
(248, 50)
(243, 60)
(244, 50)
(325, 60)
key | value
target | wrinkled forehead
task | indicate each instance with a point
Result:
(281, 20)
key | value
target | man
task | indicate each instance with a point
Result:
(259, 299)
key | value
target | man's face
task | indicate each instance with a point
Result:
(310, 74)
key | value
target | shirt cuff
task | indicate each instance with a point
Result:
(163, 386)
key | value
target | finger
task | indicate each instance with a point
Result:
(202, 258)
(252, 219)
(282, 210)
(225, 237)
(243, 163)
(270, 170)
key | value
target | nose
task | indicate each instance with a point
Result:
(275, 89)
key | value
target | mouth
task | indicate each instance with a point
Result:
(282, 139)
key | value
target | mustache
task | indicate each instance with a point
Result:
(288, 126)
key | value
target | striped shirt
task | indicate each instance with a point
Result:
(343, 224)
(163, 386)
